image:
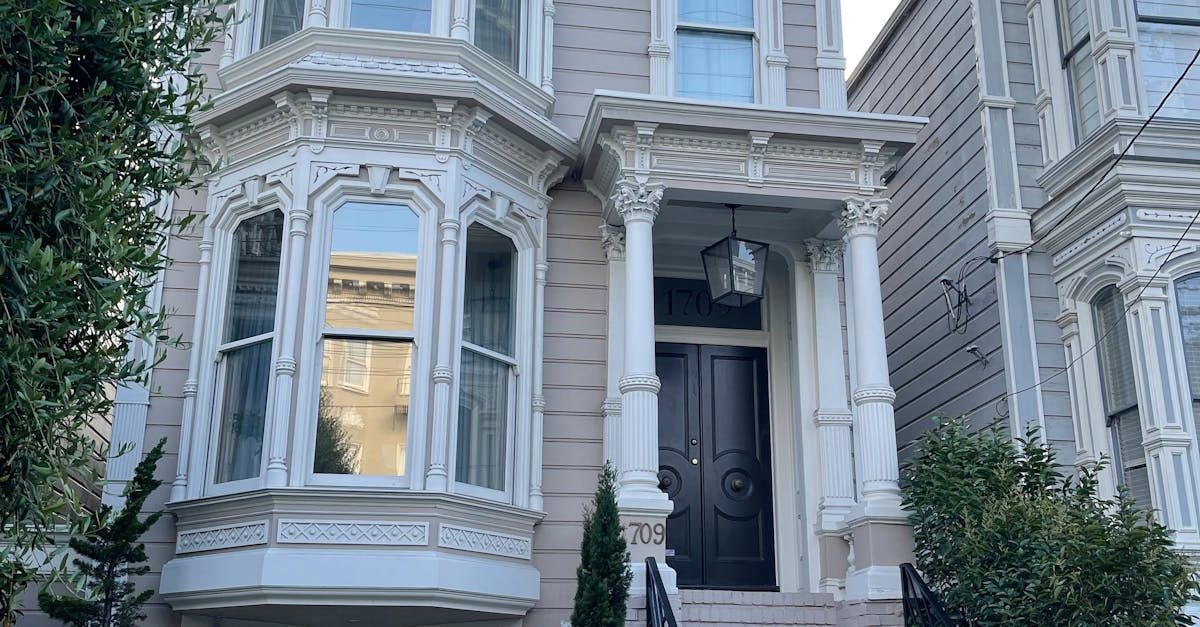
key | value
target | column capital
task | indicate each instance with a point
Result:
(613, 239)
(637, 201)
(864, 216)
(824, 255)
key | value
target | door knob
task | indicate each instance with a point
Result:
(737, 485)
(695, 441)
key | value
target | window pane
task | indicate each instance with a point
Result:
(372, 268)
(1084, 97)
(1075, 26)
(488, 299)
(1116, 362)
(243, 412)
(1187, 293)
(498, 30)
(255, 277)
(715, 66)
(1166, 50)
(482, 421)
(718, 12)
(280, 19)
(402, 15)
(362, 414)
(1171, 9)
(1126, 430)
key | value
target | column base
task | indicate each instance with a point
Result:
(880, 540)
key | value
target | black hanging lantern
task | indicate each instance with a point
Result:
(736, 268)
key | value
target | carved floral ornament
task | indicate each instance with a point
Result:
(635, 200)
(613, 240)
(864, 216)
(824, 255)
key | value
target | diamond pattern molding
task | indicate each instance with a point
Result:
(226, 537)
(369, 532)
(480, 541)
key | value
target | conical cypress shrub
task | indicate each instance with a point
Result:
(603, 575)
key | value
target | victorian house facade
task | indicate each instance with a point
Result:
(450, 265)
(1065, 214)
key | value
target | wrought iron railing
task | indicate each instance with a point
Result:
(658, 605)
(921, 606)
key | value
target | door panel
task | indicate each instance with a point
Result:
(713, 410)
(678, 425)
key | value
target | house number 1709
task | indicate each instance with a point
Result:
(645, 533)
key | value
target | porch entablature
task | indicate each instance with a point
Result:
(728, 148)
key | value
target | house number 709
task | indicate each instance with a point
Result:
(645, 533)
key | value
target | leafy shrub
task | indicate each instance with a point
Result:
(603, 575)
(1006, 539)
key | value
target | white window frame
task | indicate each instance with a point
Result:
(1140, 19)
(1065, 53)
(520, 363)
(754, 31)
(221, 277)
(315, 331)
(527, 25)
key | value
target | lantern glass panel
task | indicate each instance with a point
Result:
(736, 270)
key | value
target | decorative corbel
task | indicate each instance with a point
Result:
(377, 177)
(443, 134)
(755, 172)
(212, 146)
(479, 119)
(286, 101)
(645, 142)
(549, 172)
(319, 109)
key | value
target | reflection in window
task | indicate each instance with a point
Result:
(488, 359)
(1168, 36)
(1188, 294)
(715, 44)
(245, 353)
(362, 415)
(1120, 396)
(1075, 33)
(498, 30)
(280, 18)
(411, 16)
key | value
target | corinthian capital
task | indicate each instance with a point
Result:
(864, 216)
(613, 240)
(824, 255)
(637, 201)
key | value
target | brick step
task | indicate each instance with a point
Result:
(734, 607)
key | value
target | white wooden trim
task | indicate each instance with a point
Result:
(708, 335)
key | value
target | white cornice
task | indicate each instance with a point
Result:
(391, 64)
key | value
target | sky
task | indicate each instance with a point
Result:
(861, 21)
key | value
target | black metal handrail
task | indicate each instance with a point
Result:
(658, 605)
(921, 606)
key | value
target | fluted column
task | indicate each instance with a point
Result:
(536, 499)
(880, 537)
(637, 203)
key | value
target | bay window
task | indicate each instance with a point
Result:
(244, 355)
(715, 43)
(1123, 418)
(1076, 39)
(1168, 36)
(367, 341)
(487, 361)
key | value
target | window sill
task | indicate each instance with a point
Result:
(319, 556)
(390, 63)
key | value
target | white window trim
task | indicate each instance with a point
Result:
(767, 35)
(314, 331)
(215, 327)
(517, 452)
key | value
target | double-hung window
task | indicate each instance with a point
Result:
(1168, 36)
(488, 362)
(715, 50)
(244, 355)
(1076, 38)
(279, 19)
(411, 16)
(367, 342)
(1187, 293)
(1120, 396)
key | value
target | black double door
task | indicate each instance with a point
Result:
(714, 464)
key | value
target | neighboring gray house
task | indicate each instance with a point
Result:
(1088, 306)
(451, 263)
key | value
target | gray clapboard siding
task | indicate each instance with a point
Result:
(800, 46)
(939, 200)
